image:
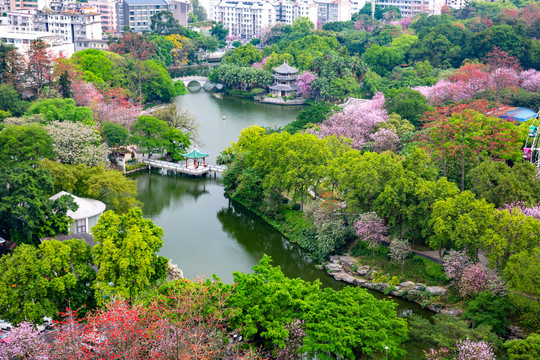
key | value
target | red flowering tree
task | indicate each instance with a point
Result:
(39, 65)
(139, 49)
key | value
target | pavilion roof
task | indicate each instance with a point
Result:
(285, 69)
(195, 154)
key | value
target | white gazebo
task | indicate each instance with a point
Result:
(86, 216)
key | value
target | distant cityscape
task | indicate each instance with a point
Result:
(69, 26)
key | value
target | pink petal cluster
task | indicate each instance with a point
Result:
(477, 350)
(356, 122)
(304, 83)
(385, 140)
(445, 90)
(365, 26)
(455, 262)
(370, 228)
(530, 80)
(111, 105)
(473, 281)
(532, 211)
(24, 342)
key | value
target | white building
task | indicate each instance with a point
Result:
(13, 5)
(457, 4)
(22, 40)
(137, 13)
(22, 20)
(245, 19)
(333, 10)
(288, 11)
(109, 16)
(86, 216)
(72, 26)
(410, 8)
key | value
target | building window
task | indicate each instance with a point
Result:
(81, 226)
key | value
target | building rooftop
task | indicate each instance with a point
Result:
(281, 87)
(145, 2)
(87, 207)
(285, 69)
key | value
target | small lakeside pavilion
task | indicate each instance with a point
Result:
(196, 155)
(284, 80)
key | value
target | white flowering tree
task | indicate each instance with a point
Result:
(76, 143)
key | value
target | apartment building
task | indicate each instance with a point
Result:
(245, 18)
(136, 14)
(333, 10)
(410, 8)
(22, 40)
(288, 11)
(21, 20)
(109, 17)
(13, 5)
(180, 10)
(71, 25)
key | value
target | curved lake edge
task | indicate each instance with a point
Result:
(350, 279)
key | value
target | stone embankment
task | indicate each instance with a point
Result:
(346, 268)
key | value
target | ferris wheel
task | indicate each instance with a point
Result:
(531, 150)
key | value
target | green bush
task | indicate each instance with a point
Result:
(135, 166)
(527, 349)
(179, 88)
(491, 310)
(258, 91)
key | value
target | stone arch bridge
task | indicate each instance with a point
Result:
(198, 82)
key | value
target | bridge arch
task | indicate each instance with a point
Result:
(199, 82)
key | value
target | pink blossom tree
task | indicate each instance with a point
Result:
(440, 354)
(455, 262)
(399, 251)
(24, 342)
(304, 84)
(473, 281)
(503, 78)
(370, 228)
(357, 121)
(530, 80)
(385, 140)
(532, 211)
(445, 90)
(477, 350)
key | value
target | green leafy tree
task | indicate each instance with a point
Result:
(302, 24)
(267, 301)
(148, 132)
(115, 135)
(62, 110)
(126, 254)
(176, 143)
(501, 184)
(10, 100)
(26, 212)
(243, 55)
(95, 65)
(438, 50)
(219, 31)
(45, 280)
(164, 23)
(446, 330)
(488, 309)
(523, 275)
(110, 186)
(407, 103)
(24, 144)
(458, 222)
(158, 85)
(382, 59)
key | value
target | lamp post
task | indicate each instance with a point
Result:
(386, 350)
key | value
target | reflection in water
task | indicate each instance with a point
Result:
(206, 233)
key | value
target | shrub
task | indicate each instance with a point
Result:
(135, 166)
(491, 310)
(257, 91)
(527, 349)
